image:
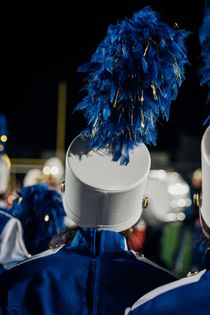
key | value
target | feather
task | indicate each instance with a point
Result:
(132, 78)
(204, 37)
(40, 210)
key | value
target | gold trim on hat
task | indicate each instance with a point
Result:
(145, 202)
(197, 199)
(63, 187)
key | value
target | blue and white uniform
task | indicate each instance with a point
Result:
(96, 274)
(12, 247)
(188, 296)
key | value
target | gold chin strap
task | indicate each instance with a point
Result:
(197, 200)
(63, 186)
(145, 202)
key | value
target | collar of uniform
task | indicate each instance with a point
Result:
(96, 242)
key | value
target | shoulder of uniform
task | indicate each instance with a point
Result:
(5, 214)
(192, 273)
(142, 258)
(44, 254)
(174, 285)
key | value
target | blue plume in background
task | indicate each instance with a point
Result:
(3, 133)
(40, 210)
(204, 37)
(132, 78)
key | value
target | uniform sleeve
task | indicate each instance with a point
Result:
(188, 296)
(12, 247)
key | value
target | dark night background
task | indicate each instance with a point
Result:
(43, 43)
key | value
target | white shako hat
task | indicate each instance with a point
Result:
(102, 193)
(32, 177)
(205, 163)
(54, 167)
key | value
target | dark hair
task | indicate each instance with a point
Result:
(64, 237)
(67, 236)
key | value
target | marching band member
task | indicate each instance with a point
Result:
(133, 76)
(189, 295)
(12, 247)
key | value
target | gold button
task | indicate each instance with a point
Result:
(192, 273)
(145, 202)
(197, 199)
(63, 187)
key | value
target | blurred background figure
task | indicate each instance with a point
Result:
(32, 177)
(4, 179)
(3, 133)
(53, 172)
(158, 206)
(12, 247)
(5, 164)
(40, 210)
(168, 194)
(190, 228)
(193, 218)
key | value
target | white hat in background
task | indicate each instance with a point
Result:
(32, 177)
(103, 193)
(54, 167)
(5, 166)
(205, 159)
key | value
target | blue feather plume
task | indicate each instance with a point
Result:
(204, 37)
(132, 78)
(3, 133)
(40, 210)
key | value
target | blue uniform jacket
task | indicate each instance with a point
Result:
(187, 296)
(96, 274)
